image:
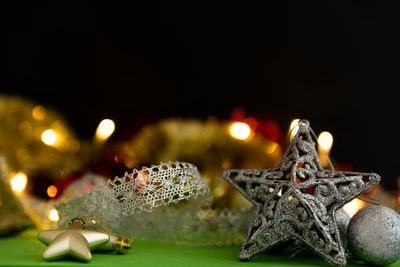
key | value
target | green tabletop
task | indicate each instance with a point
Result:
(25, 250)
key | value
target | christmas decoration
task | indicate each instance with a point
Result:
(40, 211)
(186, 223)
(37, 140)
(116, 243)
(298, 200)
(83, 185)
(211, 145)
(342, 220)
(43, 213)
(12, 216)
(374, 235)
(13, 223)
(75, 241)
(169, 202)
(142, 190)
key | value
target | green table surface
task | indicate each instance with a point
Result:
(25, 250)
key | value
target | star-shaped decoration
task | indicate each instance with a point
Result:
(75, 241)
(298, 200)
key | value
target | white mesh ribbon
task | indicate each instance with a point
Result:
(141, 190)
(169, 202)
(158, 186)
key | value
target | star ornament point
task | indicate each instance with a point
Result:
(298, 200)
(73, 242)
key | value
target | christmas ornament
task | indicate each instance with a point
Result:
(116, 243)
(169, 202)
(75, 241)
(207, 144)
(342, 220)
(298, 200)
(374, 235)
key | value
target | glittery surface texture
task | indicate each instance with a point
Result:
(298, 200)
(374, 235)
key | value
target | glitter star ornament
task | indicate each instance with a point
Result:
(298, 200)
(74, 241)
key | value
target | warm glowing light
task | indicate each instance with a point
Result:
(53, 215)
(294, 127)
(52, 191)
(325, 140)
(240, 130)
(271, 148)
(39, 113)
(353, 207)
(49, 137)
(105, 129)
(19, 181)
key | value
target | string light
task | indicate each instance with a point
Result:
(105, 129)
(49, 137)
(52, 191)
(19, 181)
(294, 127)
(325, 140)
(53, 215)
(353, 207)
(240, 130)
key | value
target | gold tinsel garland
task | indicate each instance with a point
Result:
(207, 144)
(22, 127)
(12, 216)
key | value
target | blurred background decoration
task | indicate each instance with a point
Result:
(41, 156)
(37, 141)
(211, 145)
(91, 92)
(45, 163)
(12, 216)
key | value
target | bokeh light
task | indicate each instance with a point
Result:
(39, 113)
(52, 191)
(353, 207)
(105, 129)
(240, 130)
(19, 181)
(49, 137)
(325, 140)
(53, 215)
(294, 127)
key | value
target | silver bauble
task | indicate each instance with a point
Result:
(374, 235)
(342, 221)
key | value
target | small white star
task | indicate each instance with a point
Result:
(76, 242)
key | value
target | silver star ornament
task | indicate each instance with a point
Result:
(74, 241)
(298, 200)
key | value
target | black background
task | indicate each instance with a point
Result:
(335, 63)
